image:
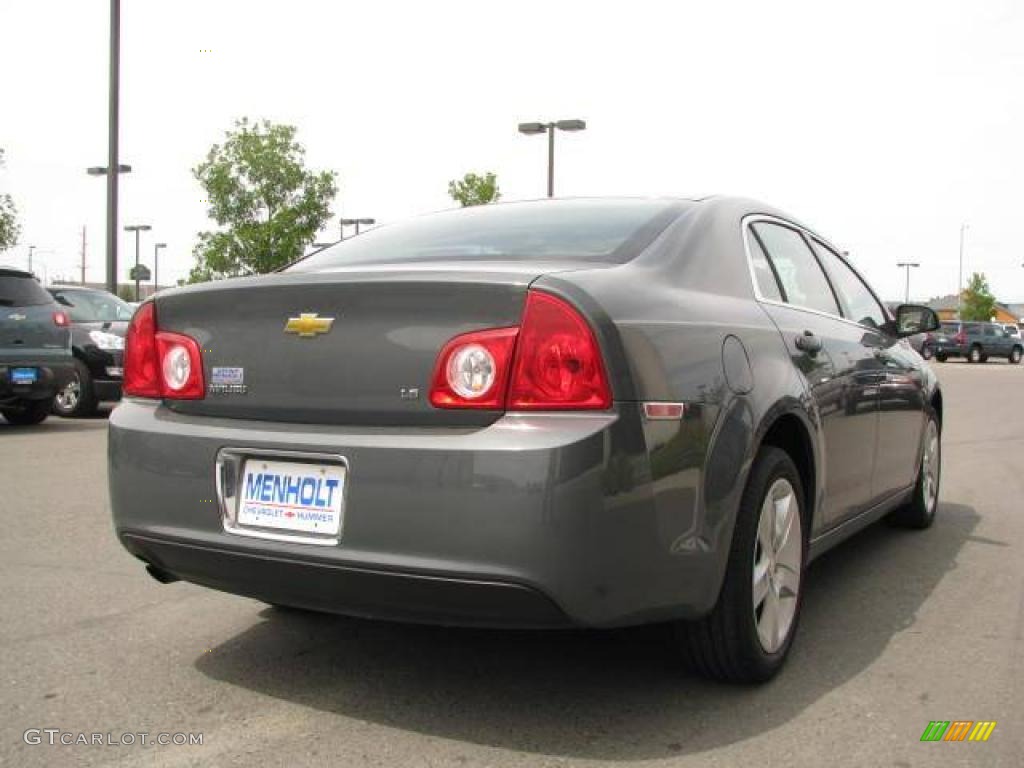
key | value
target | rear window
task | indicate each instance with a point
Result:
(950, 327)
(585, 230)
(22, 291)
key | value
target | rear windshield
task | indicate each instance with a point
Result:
(22, 291)
(585, 230)
(950, 327)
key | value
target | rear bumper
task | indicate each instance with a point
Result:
(51, 376)
(537, 520)
(362, 592)
(949, 350)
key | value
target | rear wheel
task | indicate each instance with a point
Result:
(76, 397)
(920, 511)
(941, 357)
(926, 352)
(747, 635)
(975, 356)
(32, 412)
(1015, 355)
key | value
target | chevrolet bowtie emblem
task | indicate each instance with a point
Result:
(308, 325)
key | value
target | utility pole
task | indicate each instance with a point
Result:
(960, 280)
(112, 142)
(83, 254)
(30, 249)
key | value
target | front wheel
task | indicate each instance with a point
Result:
(76, 397)
(32, 412)
(1015, 355)
(920, 511)
(747, 635)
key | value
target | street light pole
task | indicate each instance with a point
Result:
(31, 248)
(960, 279)
(356, 222)
(112, 147)
(137, 228)
(907, 265)
(156, 263)
(549, 128)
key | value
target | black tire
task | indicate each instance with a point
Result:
(725, 644)
(975, 356)
(1015, 355)
(71, 403)
(919, 513)
(927, 353)
(941, 357)
(32, 412)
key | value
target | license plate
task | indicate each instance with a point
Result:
(24, 375)
(292, 496)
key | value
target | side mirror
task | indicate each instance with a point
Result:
(912, 319)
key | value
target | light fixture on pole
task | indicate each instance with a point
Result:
(907, 265)
(137, 228)
(355, 222)
(156, 265)
(531, 129)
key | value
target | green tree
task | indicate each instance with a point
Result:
(9, 227)
(268, 206)
(472, 189)
(978, 303)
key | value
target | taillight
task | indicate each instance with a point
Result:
(160, 364)
(60, 319)
(472, 370)
(558, 361)
(551, 362)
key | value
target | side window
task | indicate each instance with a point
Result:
(860, 304)
(990, 331)
(767, 285)
(803, 282)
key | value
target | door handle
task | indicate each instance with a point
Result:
(808, 343)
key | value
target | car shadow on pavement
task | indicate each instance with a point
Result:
(593, 694)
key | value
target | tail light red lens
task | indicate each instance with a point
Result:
(141, 364)
(161, 364)
(551, 362)
(60, 319)
(472, 370)
(558, 362)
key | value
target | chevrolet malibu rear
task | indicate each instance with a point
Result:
(536, 414)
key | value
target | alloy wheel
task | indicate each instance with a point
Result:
(68, 397)
(778, 552)
(930, 467)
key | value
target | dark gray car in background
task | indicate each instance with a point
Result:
(35, 348)
(545, 414)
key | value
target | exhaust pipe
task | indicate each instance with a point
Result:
(162, 576)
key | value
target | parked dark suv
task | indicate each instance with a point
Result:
(98, 323)
(976, 341)
(35, 348)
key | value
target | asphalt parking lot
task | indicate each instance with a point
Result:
(899, 628)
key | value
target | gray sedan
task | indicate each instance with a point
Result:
(544, 414)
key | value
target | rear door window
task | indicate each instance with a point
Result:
(22, 291)
(764, 275)
(803, 282)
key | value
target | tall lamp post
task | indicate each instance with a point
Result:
(531, 129)
(31, 249)
(103, 170)
(156, 265)
(960, 279)
(355, 222)
(137, 228)
(907, 265)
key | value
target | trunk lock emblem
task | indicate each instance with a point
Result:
(308, 325)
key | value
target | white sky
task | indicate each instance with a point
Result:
(884, 125)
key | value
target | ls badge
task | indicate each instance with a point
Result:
(227, 381)
(308, 325)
